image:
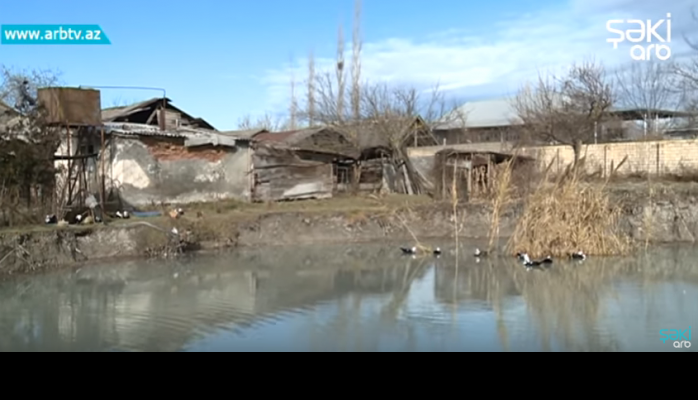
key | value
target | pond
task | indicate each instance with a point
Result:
(367, 298)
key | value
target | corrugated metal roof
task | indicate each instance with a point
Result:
(244, 134)
(277, 137)
(210, 140)
(110, 114)
(193, 137)
(114, 113)
(502, 112)
(127, 129)
(482, 114)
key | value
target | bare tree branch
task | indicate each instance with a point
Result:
(340, 71)
(567, 109)
(18, 88)
(27, 146)
(356, 63)
(122, 102)
(649, 87)
(267, 121)
(312, 79)
(293, 107)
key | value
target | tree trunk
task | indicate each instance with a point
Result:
(577, 147)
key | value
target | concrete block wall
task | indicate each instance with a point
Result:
(658, 157)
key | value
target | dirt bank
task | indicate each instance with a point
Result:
(673, 214)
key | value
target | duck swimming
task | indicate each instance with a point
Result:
(530, 264)
(437, 251)
(479, 253)
(408, 250)
(579, 256)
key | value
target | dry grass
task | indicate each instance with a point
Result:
(501, 197)
(568, 215)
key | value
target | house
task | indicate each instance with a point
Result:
(155, 112)
(154, 153)
(497, 120)
(484, 121)
(146, 165)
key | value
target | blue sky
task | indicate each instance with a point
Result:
(223, 60)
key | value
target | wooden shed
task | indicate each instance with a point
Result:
(383, 160)
(323, 144)
(280, 174)
(475, 173)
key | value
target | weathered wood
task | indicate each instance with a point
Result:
(290, 173)
(172, 118)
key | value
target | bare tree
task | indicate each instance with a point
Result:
(293, 107)
(122, 102)
(569, 109)
(648, 87)
(310, 100)
(687, 72)
(341, 84)
(266, 121)
(27, 145)
(18, 88)
(356, 63)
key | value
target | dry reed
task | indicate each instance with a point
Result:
(566, 215)
(454, 204)
(501, 197)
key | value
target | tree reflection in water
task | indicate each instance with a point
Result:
(343, 298)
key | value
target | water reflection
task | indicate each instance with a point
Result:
(367, 298)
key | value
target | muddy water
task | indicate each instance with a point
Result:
(367, 298)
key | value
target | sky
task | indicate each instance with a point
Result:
(222, 61)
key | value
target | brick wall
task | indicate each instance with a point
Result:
(667, 156)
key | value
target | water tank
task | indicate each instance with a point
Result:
(71, 106)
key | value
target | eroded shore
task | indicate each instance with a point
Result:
(672, 210)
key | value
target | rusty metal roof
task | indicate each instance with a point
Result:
(277, 137)
(245, 134)
(114, 113)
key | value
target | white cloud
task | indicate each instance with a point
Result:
(501, 60)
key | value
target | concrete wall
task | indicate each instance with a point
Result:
(157, 170)
(660, 157)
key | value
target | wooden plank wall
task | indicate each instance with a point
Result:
(282, 176)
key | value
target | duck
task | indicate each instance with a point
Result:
(123, 215)
(530, 264)
(408, 250)
(51, 219)
(579, 256)
(479, 253)
(76, 220)
(437, 251)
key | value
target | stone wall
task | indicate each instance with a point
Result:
(657, 157)
(157, 170)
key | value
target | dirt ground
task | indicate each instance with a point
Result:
(212, 217)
